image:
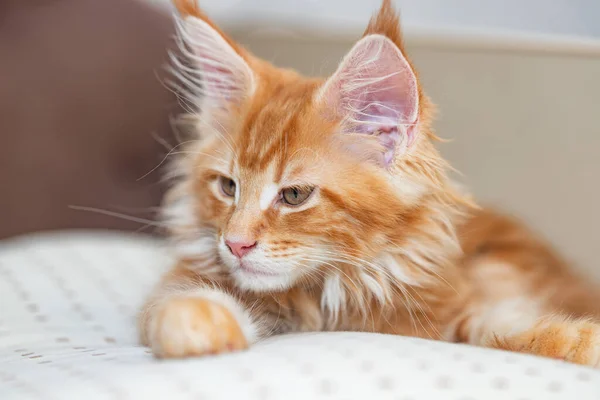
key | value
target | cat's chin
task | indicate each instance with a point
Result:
(256, 282)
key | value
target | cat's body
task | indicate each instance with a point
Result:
(312, 205)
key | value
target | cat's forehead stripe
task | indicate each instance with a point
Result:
(268, 136)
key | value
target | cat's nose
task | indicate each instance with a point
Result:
(240, 248)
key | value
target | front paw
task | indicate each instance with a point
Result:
(194, 326)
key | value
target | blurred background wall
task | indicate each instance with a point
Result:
(516, 83)
(564, 17)
(80, 104)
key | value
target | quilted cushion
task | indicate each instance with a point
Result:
(67, 331)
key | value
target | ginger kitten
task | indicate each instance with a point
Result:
(322, 205)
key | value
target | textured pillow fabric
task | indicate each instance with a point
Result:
(67, 331)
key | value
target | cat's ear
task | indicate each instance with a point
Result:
(375, 92)
(213, 68)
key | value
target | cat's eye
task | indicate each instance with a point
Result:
(294, 196)
(227, 186)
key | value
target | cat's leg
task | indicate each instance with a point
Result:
(573, 340)
(523, 297)
(519, 325)
(188, 315)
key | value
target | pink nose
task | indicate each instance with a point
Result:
(240, 248)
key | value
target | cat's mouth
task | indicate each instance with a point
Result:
(256, 276)
(249, 269)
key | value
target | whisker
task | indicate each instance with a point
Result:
(225, 140)
(118, 215)
(362, 301)
(353, 294)
(164, 159)
(405, 294)
(221, 160)
(425, 314)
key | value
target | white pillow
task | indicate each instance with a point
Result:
(67, 331)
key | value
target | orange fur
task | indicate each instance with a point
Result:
(210, 321)
(393, 249)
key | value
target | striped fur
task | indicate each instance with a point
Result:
(386, 247)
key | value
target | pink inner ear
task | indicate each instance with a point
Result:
(224, 74)
(216, 76)
(375, 92)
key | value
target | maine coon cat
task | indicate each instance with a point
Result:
(322, 205)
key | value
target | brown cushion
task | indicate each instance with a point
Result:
(80, 101)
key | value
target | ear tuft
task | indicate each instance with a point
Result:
(375, 92)
(188, 8)
(386, 23)
(213, 73)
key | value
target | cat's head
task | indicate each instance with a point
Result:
(290, 180)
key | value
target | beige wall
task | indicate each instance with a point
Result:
(524, 124)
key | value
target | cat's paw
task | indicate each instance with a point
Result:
(574, 341)
(194, 326)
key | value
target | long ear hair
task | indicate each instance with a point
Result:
(190, 8)
(387, 23)
(213, 71)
